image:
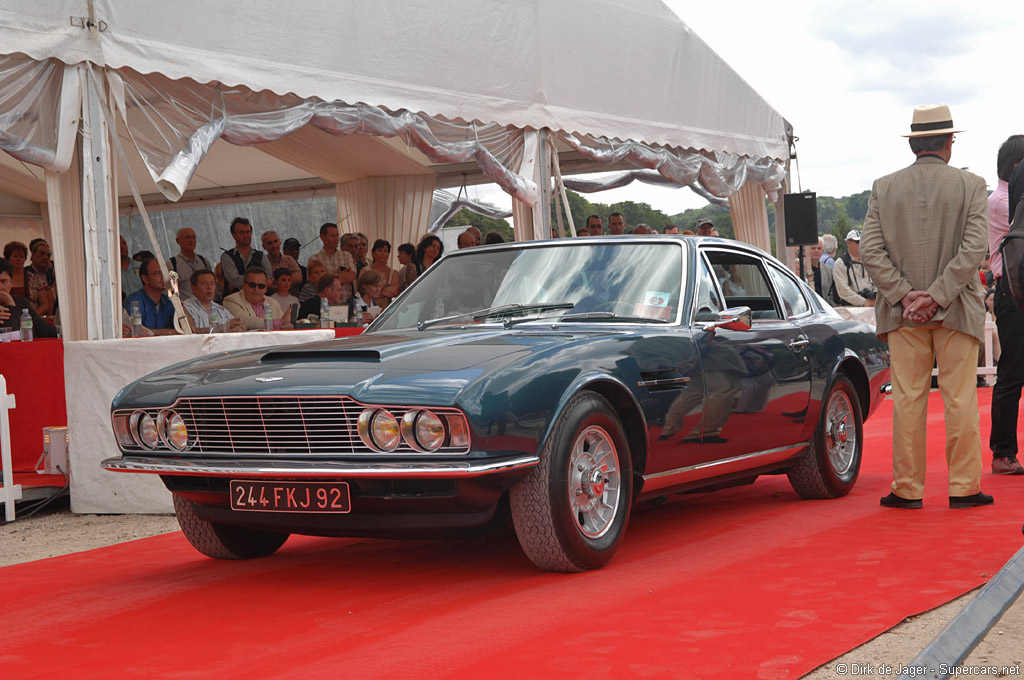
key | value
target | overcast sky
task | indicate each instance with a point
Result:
(848, 75)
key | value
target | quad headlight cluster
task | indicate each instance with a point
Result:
(139, 428)
(423, 430)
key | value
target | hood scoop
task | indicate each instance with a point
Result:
(298, 356)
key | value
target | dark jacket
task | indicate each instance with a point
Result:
(41, 328)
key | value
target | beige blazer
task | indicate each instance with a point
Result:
(927, 229)
(240, 307)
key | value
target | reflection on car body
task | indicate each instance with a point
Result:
(566, 379)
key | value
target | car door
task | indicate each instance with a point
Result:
(757, 381)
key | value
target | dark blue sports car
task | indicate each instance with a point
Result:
(566, 380)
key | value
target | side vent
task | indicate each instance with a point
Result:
(662, 380)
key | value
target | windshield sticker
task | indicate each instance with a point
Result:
(654, 298)
(654, 306)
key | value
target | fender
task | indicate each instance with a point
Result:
(582, 381)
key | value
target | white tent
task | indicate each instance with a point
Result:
(384, 101)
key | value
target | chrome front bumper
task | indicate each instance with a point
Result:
(303, 469)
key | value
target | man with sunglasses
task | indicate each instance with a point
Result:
(247, 304)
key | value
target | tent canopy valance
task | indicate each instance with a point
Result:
(173, 125)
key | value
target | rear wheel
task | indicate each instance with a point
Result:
(830, 465)
(570, 512)
(223, 541)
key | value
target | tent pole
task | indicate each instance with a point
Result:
(542, 210)
(98, 215)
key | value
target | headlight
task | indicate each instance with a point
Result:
(385, 432)
(423, 430)
(172, 429)
(429, 431)
(144, 430)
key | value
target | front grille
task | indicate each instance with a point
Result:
(308, 425)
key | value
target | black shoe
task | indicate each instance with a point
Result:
(664, 437)
(971, 501)
(894, 501)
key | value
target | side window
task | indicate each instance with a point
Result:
(744, 283)
(709, 301)
(792, 297)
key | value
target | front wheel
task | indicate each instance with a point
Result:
(829, 467)
(223, 541)
(570, 512)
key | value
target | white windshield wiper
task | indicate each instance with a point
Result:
(495, 311)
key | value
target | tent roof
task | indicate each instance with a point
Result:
(526, 63)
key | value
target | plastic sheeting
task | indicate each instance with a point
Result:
(621, 179)
(175, 122)
(449, 204)
(721, 174)
(38, 101)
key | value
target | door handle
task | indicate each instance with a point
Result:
(799, 344)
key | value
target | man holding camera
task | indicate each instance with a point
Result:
(851, 278)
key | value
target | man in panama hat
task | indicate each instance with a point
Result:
(924, 236)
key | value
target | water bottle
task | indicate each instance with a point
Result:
(325, 314)
(268, 316)
(26, 326)
(214, 321)
(136, 319)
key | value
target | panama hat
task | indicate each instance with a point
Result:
(931, 119)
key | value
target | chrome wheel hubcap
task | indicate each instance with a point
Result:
(840, 433)
(594, 483)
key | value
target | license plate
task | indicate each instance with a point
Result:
(326, 497)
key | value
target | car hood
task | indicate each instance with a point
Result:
(418, 368)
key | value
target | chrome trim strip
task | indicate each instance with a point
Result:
(662, 382)
(301, 469)
(691, 473)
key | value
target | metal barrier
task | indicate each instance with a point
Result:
(943, 655)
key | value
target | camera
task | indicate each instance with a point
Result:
(869, 294)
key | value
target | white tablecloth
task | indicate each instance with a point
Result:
(94, 372)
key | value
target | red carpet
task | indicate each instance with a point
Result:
(745, 583)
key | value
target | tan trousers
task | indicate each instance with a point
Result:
(913, 351)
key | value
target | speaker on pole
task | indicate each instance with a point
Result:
(801, 218)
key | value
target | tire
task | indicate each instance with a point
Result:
(829, 467)
(223, 541)
(570, 512)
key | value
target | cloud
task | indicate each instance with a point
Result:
(914, 52)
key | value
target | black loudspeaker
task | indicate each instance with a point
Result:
(801, 218)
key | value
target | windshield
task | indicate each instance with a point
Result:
(586, 283)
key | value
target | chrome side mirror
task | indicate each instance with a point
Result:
(732, 319)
